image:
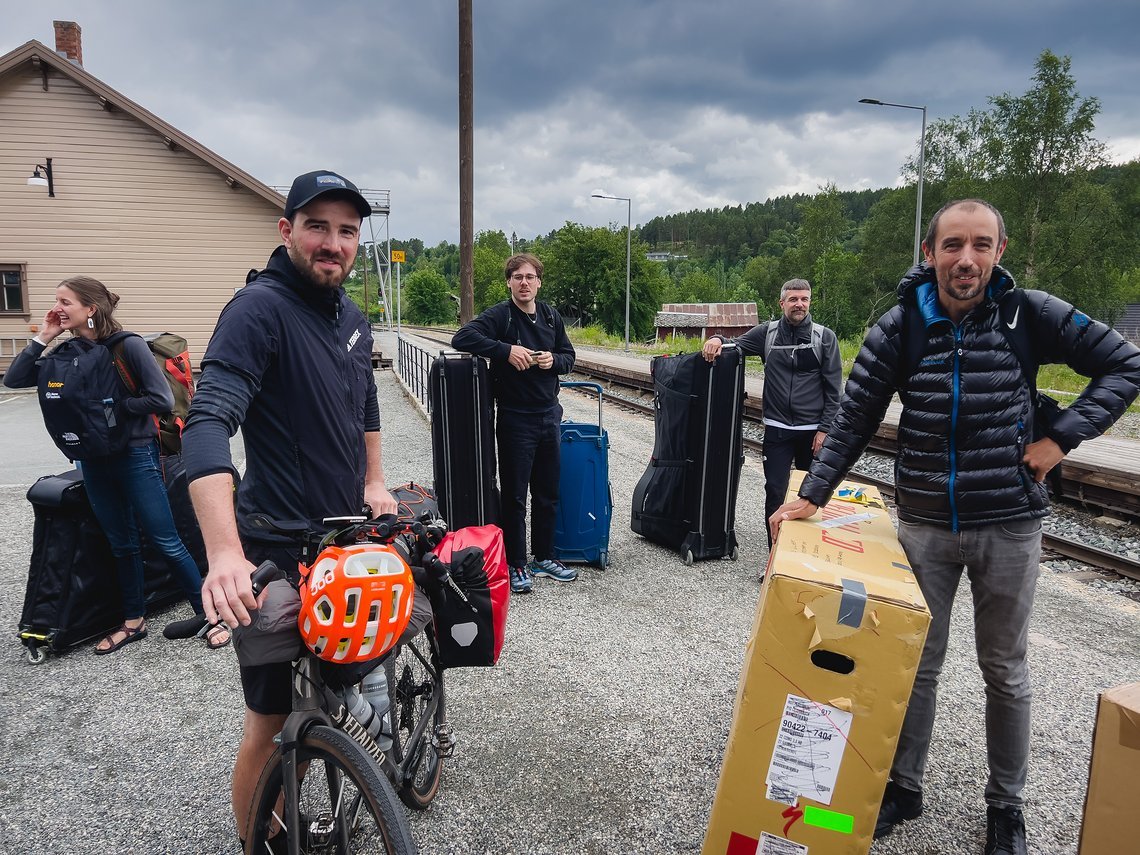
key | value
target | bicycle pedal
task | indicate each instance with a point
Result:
(443, 740)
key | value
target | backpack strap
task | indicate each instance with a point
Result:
(816, 335)
(1015, 328)
(116, 346)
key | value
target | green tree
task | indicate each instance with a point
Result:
(427, 298)
(1032, 156)
(491, 254)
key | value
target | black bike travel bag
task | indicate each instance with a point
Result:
(686, 499)
(463, 440)
(72, 593)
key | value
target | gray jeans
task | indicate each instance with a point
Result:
(1002, 563)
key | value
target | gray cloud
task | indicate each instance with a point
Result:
(678, 105)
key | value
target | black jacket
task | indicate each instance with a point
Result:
(966, 405)
(291, 364)
(504, 324)
(798, 390)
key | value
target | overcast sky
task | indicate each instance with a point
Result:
(678, 105)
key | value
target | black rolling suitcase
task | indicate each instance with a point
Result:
(72, 594)
(463, 440)
(687, 497)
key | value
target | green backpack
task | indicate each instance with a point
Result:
(173, 357)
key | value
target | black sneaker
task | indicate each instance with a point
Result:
(899, 804)
(1005, 831)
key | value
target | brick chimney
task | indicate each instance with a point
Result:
(68, 41)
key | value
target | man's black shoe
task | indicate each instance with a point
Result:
(1005, 831)
(899, 804)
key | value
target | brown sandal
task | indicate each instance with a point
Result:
(210, 632)
(133, 633)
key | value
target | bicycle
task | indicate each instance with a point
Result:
(352, 802)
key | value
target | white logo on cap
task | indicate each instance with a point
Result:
(331, 179)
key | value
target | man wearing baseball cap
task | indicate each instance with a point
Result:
(290, 362)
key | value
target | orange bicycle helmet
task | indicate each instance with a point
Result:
(355, 602)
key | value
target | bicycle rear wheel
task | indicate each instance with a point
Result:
(347, 804)
(415, 686)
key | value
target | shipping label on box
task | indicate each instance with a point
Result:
(838, 634)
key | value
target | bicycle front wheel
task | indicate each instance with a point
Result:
(347, 805)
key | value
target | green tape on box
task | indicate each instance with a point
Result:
(829, 819)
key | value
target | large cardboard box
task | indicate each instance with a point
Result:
(1112, 818)
(827, 676)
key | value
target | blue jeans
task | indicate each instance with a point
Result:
(1002, 563)
(127, 487)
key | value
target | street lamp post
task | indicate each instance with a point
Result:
(628, 223)
(921, 165)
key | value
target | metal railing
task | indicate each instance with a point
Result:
(413, 364)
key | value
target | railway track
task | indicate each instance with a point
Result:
(1075, 550)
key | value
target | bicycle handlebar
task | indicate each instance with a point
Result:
(266, 572)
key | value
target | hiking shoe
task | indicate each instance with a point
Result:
(553, 569)
(1005, 831)
(521, 580)
(899, 804)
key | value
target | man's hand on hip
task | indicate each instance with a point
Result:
(1041, 456)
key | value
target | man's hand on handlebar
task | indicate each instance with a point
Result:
(227, 594)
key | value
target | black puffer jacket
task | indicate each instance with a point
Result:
(966, 405)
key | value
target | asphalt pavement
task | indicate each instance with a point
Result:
(601, 730)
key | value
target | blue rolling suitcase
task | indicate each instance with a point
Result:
(585, 501)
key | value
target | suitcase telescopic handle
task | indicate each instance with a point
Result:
(568, 384)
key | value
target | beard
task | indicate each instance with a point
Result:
(318, 277)
(958, 291)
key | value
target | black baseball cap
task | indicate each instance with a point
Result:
(309, 186)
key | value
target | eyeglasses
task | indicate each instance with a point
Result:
(523, 277)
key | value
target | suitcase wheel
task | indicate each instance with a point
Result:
(688, 558)
(604, 560)
(735, 553)
(36, 654)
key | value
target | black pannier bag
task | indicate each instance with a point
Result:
(686, 499)
(463, 440)
(72, 595)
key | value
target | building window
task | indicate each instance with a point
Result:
(13, 290)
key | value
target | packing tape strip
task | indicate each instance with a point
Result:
(852, 603)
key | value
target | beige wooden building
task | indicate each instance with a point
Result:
(162, 221)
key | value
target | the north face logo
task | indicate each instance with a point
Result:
(331, 180)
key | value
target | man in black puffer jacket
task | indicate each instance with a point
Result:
(969, 479)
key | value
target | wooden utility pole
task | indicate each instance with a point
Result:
(466, 165)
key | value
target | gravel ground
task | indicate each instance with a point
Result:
(601, 730)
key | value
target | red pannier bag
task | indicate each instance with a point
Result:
(470, 607)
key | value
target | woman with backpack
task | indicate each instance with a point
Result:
(94, 419)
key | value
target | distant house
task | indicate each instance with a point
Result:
(664, 256)
(1129, 323)
(162, 221)
(701, 320)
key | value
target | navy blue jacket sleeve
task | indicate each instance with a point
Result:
(482, 336)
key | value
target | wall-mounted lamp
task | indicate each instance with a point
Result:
(43, 180)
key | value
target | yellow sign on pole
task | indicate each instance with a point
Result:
(398, 255)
